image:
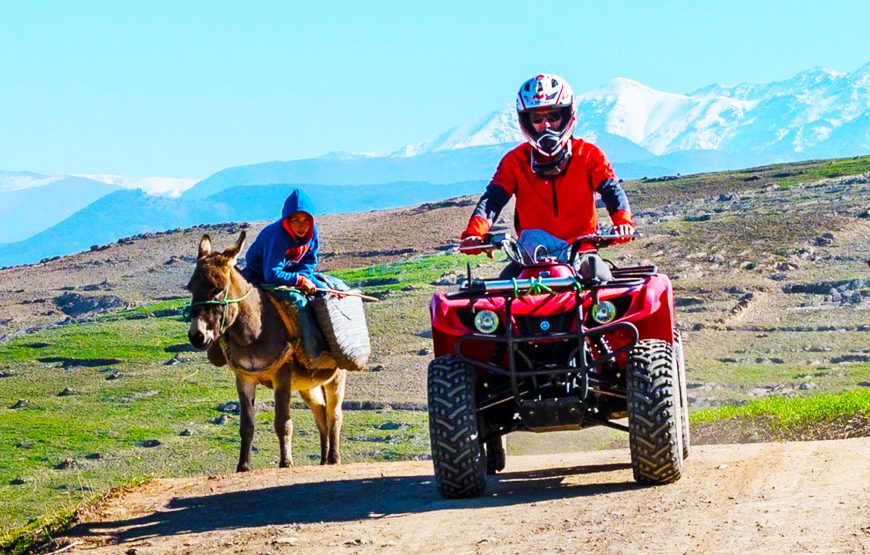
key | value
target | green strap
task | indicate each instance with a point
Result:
(225, 302)
(537, 287)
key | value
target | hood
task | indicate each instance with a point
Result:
(298, 201)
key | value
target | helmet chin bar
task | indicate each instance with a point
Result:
(550, 142)
(554, 166)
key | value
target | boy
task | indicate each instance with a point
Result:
(285, 251)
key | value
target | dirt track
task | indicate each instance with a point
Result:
(810, 497)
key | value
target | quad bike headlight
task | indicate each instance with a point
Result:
(603, 312)
(486, 321)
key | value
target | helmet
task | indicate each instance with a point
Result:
(547, 92)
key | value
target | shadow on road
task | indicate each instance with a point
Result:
(345, 500)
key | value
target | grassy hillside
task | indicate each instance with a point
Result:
(769, 268)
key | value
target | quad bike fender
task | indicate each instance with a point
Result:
(655, 320)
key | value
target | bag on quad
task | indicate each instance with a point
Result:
(343, 323)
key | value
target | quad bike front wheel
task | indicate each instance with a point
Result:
(680, 361)
(654, 413)
(457, 455)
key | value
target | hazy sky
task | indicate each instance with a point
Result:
(184, 89)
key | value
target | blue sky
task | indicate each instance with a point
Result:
(184, 89)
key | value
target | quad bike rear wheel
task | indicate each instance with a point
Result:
(457, 455)
(680, 361)
(654, 413)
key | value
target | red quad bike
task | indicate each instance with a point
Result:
(551, 351)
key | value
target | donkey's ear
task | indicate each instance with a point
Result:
(204, 247)
(233, 252)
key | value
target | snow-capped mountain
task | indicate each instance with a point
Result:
(168, 186)
(786, 120)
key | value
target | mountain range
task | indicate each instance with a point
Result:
(818, 113)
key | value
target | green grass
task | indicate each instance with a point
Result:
(137, 340)
(103, 424)
(792, 411)
(416, 272)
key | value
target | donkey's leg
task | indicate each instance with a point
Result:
(283, 419)
(246, 390)
(317, 404)
(335, 415)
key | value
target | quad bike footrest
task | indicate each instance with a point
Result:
(551, 415)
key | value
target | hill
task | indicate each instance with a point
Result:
(31, 202)
(768, 264)
(126, 213)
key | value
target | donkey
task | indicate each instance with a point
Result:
(239, 325)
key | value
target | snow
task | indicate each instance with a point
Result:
(804, 110)
(17, 181)
(168, 186)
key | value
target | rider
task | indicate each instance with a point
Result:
(285, 251)
(554, 177)
(285, 254)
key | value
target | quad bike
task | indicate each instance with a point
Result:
(551, 350)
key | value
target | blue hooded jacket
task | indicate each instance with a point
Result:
(277, 257)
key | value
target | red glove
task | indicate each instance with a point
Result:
(471, 241)
(305, 285)
(622, 229)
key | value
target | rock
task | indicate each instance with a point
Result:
(835, 295)
(149, 443)
(376, 368)
(17, 481)
(392, 426)
(777, 360)
(220, 420)
(66, 464)
(825, 240)
(94, 456)
(747, 265)
(113, 376)
(186, 432)
(230, 407)
(171, 362)
(66, 392)
(75, 304)
(728, 359)
(423, 352)
(807, 386)
(20, 404)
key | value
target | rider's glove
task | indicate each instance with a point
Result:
(305, 285)
(626, 230)
(471, 241)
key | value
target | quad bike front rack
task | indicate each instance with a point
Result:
(551, 414)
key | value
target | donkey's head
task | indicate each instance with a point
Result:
(214, 306)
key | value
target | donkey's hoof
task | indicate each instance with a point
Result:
(285, 464)
(243, 468)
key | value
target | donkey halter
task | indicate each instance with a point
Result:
(225, 302)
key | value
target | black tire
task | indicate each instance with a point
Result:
(654, 413)
(457, 455)
(496, 455)
(680, 361)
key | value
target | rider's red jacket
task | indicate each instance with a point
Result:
(563, 206)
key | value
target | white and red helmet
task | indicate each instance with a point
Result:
(547, 92)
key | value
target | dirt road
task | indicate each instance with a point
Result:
(810, 497)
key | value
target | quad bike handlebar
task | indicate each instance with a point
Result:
(508, 244)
